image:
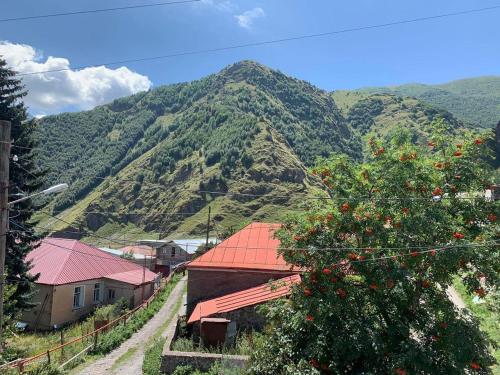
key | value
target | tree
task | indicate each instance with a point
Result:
(378, 258)
(24, 179)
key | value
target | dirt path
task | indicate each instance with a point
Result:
(127, 358)
(455, 297)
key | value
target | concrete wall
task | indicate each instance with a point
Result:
(62, 307)
(206, 284)
(40, 316)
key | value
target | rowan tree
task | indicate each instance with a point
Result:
(378, 256)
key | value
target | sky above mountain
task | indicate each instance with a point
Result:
(433, 51)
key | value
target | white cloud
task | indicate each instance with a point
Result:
(79, 89)
(222, 5)
(246, 19)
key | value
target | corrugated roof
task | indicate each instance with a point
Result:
(139, 249)
(254, 247)
(63, 261)
(133, 277)
(249, 297)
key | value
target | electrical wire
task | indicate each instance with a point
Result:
(269, 42)
(311, 248)
(97, 10)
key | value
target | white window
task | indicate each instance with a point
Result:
(111, 294)
(97, 292)
(78, 297)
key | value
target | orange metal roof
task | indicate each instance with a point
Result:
(249, 297)
(254, 247)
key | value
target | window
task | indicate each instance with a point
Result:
(78, 297)
(172, 254)
(97, 293)
(111, 294)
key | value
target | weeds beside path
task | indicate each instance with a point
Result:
(127, 358)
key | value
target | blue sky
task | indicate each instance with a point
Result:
(428, 52)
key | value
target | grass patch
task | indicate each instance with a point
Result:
(243, 346)
(487, 316)
(152, 357)
(216, 369)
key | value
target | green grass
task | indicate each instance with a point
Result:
(29, 344)
(152, 357)
(243, 345)
(489, 320)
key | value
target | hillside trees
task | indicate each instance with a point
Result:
(378, 258)
(24, 179)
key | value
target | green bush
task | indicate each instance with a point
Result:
(44, 369)
(152, 358)
(216, 369)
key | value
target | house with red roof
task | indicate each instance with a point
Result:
(235, 274)
(74, 278)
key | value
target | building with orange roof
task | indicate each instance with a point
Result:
(247, 259)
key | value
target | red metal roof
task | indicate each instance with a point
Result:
(133, 277)
(244, 298)
(254, 247)
(63, 261)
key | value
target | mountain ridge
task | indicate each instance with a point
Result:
(240, 141)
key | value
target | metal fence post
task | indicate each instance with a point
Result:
(62, 343)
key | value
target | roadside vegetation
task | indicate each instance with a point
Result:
(152, 357)
(28, 344)
(487, 311)
(243, 346)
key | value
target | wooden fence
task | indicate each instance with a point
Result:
(22, 363)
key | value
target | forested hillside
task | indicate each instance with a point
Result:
(239, 141)
(476, 100)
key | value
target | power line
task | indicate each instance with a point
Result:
(335, 249)
(102, 10)
(271, 41)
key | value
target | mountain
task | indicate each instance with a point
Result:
(475, 100)
(239, 141)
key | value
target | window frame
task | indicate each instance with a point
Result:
(111, 291)
(99, 289)
(81, 297)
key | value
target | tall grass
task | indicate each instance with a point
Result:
(152, 358)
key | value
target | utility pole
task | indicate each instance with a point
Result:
(4, 209)
(208, 227)
(143, 277)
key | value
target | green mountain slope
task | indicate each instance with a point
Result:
(247, 129)
(239, 141)
(475, 100)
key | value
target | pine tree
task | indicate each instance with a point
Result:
(24, 179)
